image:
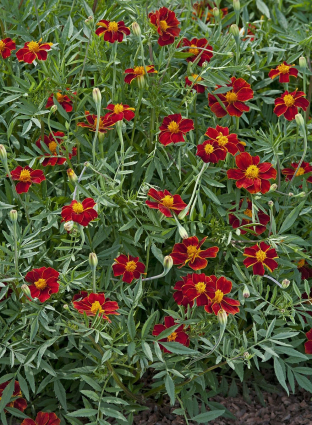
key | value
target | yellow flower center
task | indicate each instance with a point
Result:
(25, 176)
(33, 46)
(173, 127)
(172, 337)
(2, 46)
(289, 100)
(139, 70)
(200, 287)
(222, 140)
(218, 296)
(163, 25)
(194, 49)
(131, 266)
(248, 212)
(197, 77)
(300, 171)
(41, 284)
(261, 256)
(252, 172)
(209, 148)
(231, 96)
(192, 252)
(53, 146)
(60, 97)
(118, 108)
(78, 208)
(283, 69)
(113, 26)
(96, 307)
(301, 263)
(167, 201)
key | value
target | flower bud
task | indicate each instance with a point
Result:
(302, 62)
(68, 226)
(97, 97)
(13, 216)
(205, 64)
(86, 164)
(141, 81)
(89, 20)
(26, 290)
(238, 232)
(299, 120)
(290, 194)
(246, 292)
(3, 152)
(285, 283)
(222, 317)
(101, 137)
(216, 12)
(246, 355)
(183, 232)
(301, 195)
(72, 176)
(53, 108)
(93, 260)
(65, 307)
(136, 29)
(183, 213)
(270, 204)
(234, 30)
(168, 263)
(273, 187)
(236, 5)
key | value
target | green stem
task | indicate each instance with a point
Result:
(98, 107)
(15, 250)
(114, 54)
(136, 115)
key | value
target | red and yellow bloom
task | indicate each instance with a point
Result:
(196, 288)
(198, 47)
(177, 336)
(26, 177)
(119, 112)
(43, 283)
(179, 296)
(97, 304)
(260, 256)
(138, 73)
(20, 403)
(165, 202)
(304, 168)
(6, 47)
(129, 267)
(233, 101)
(33, 50)
(308, 344)
(80, 212)
(65, 101)
(283, 71)
(43, 418)
(166, 23)
(289, 103)
(251, 175)
(189, 252)
(111, 30)
(216, 291)
(53, 142)
(104, 124)
(173, 129)
(236, 222)
(195, 84)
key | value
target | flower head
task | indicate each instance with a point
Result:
(217, 289)
(43, 283)
(119, 112)
(289, 103)
(233, 101)
(33, 50)
(112, 31)
(138, 73)
(43, 418)
(20, 403)
(165, 202)
(260, 256)
(64, 100)
(104, 124)
(179, 296)
(53, 142)
(6, 47)
(283, 71)
(195, 84)
(236, 222)
(251, 175)
(304, 168)
(129, 267)
(308, 344)
(166, 23)
(177, 336)
(173, 129)
(80, 212)
(196, 288)
(26, 177)
(198, 47)
(80, 295)
(96, 304)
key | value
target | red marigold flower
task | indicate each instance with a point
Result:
(44, 283)
(43, 418)
(233, 100)
(251, 175)
(166, 23)
(6, 47)
(138, 73)
(179, 296)
(26, 177)
(8, 293)
(308, 344)
(304, 168)
(195, 84)
(289, 103)
(96, 303)
(260, 256)
(33, 50)
(198, 46)
(165, 202)
(284, 71)
(173, 129)
(237, 223)
(216, 291)
(20, 403)
(196, 287)
(178, 335)
(119, 112)
(54, 145)
(210, 151)
(189, 252)
(78, 212)
(65, 101)
(104, 124)
(112, 31)
(306, 273)
(129, 267)
(80, 296)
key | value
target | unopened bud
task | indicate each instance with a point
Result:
(3, 152)
(299, 120)
(302, 62)
(168, 263)
(301, 195)
(136, 29)
(285, 283)
(238, 232)
(97, 97)
(93, 260)
(273, 187)
(13, 216)
(216, 12)
(230, 54)
(290, 194)
(183, 232)
(72, 176)
(89, 20)
(234, 30)
(183, 213)
(101, 137)
(246, 355)
(141, 81)
(270, 204)
(68, 226)
(246, 292)
(26, 290)
(236, 5)
(205, 64)
(65, 307)
(222, 317)
(86, 164)
(53, 108)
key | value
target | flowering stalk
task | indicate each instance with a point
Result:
(122, 146)
(97, 99)
(168, 263)
(273, 280)
(79, 179)
(137, 109)
(114, 54)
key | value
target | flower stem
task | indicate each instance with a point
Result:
(98, 107)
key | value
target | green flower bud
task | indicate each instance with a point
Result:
(26, 290)
(299, 120)
(222, 317)
(183, 232)
(273, 187)
(53, 109)
(93, 260)
(3, 152)
(168, 263)
(97, 97)
(13, 216)
(234, 30)
(285, 283)
(141, 81)
(246, 292)
(270, 204)
(72, 176)
(68, 226)
(302, 62)
(236, 5)
(136, 29)
(216, 12)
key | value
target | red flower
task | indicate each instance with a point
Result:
(81, 213)
(233, 101)
(306, 273)
(113, 31)
(260, 256)
(55, 147)
(210, 151)
(251, 29)
(179, 296)
(96, 303)
(8, 293)
(20, 403)
(44, 283)
(32, 51)
(138, 73)
(129, 267)
(200, 10)
(237, 223)
(166, 23)
(104, 124)
(6, 47)
(178, 335)
(173, 129)
(198, 47)
(165, 202)
(43, 418)
(80, 296)
(189, 252)
(196, 288)
(308, 344)
(305, 168)
(63, 100)
(284, 71)
(119, 112)
(289, 103)
(251, 175)
(216, 290)
(195, 84)
(26, 177)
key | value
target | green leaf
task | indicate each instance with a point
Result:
(83, 413)
(263, 8)
(113, 414)
(169, 384)
(177, 348)
(147, 325)
(304, 382)
(280, 373)
(207, 416)
(60, 393)
(291, 218)
(131, 325)
(128, 225)
(211, 195)
(147, 351)
(6, 395)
